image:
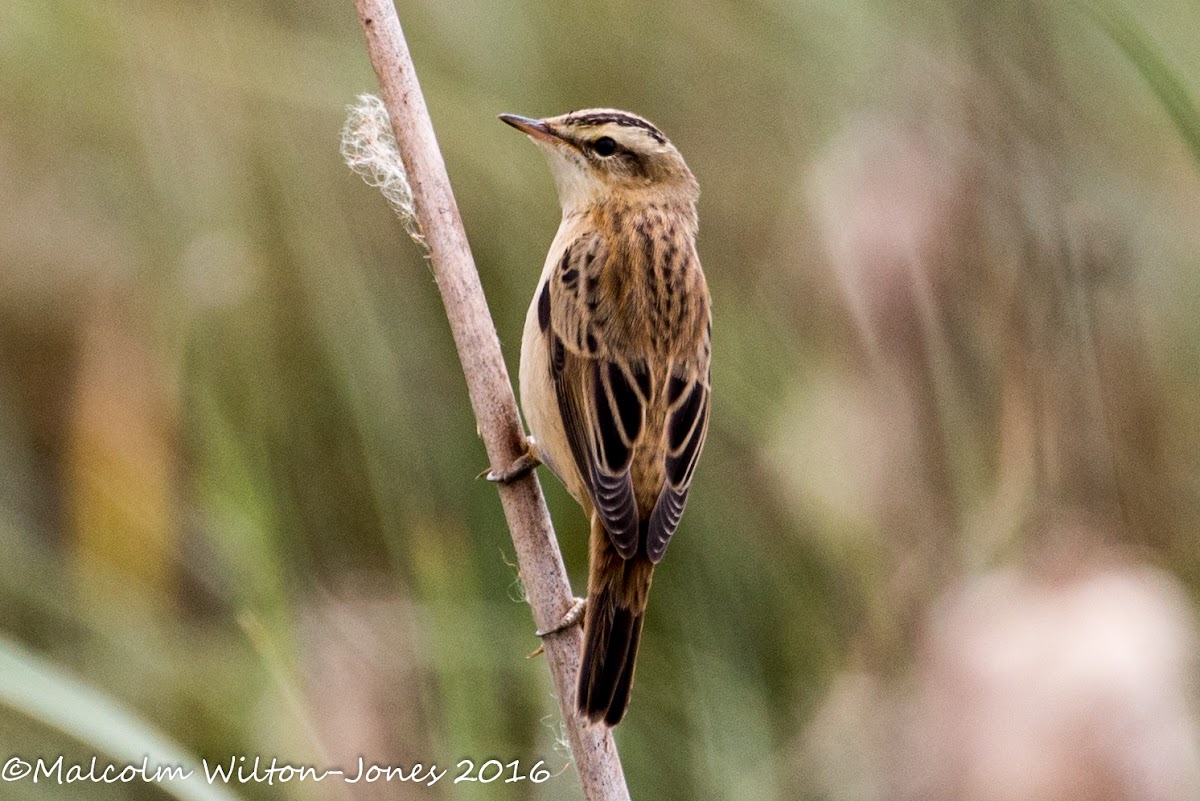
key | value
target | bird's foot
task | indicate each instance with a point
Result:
(525, 464)
(571, 618)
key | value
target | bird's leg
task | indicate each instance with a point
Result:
(523, 466)
(571, 618)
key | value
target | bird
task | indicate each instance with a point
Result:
(615, 376)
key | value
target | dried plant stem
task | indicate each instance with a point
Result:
(541, 565)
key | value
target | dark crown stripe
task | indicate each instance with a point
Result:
(625, 120)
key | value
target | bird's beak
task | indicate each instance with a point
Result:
(538, 130)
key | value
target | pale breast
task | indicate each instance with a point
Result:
(539, 401)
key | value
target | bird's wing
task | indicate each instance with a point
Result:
(687, 426)
(602, 392)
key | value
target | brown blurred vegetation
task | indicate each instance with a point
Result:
(953, 253)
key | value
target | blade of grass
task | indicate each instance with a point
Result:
(1167, 85)
(46, 694)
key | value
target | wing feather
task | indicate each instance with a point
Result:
(604, 392)
(687, 428)
(603, 414)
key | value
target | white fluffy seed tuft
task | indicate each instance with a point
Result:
(369, 148)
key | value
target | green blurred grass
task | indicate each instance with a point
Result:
(230, 408)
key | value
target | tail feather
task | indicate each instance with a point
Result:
(612, 630)
(609, 652)
(620, 697)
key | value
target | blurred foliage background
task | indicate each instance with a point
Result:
(953, 252)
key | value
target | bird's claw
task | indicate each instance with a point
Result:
(571, 618)
(525, 464)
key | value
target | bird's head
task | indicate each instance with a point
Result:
(601, 154)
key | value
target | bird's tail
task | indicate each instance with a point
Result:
(612, 627)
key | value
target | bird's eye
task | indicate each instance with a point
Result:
(604, 146)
